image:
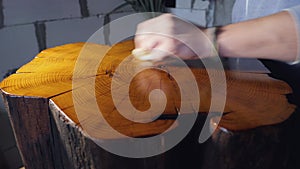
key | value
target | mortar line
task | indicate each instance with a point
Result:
(40, 34)
(1, 15)
(84, 8)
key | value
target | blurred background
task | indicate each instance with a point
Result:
(28, 27)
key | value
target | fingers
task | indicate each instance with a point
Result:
(170, 36)
(153, 47)
(149, 55)
(146, 41)
(152, 42)
(161, 47)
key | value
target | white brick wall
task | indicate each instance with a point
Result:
(18, 46)
(102, 6)
(28, 11)
(74, 30)
(195, 16)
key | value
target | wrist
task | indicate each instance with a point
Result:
(226, 44)
(212, 35)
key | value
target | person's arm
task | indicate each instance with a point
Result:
(271, 37)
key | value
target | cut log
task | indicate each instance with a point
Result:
(44, 97)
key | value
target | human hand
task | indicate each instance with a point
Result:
(167, 36)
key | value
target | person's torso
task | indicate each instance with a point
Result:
(250, 9)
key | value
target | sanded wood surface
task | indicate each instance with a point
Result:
(252, 99)
(42, 95)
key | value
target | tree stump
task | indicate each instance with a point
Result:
(43, 101)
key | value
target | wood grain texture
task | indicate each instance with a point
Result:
(250, 97)
(43, 102)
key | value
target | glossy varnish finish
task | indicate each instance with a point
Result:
(40, 101)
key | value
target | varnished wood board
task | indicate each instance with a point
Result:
(250, 96)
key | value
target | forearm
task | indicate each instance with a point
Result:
(271, 37)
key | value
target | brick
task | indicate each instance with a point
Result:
(186, 4)
(124, 27)
(195, 16)
(69, 31)
(102, 6)
(18, 46)
(1, 15)
(18, 12)
(115, 16)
